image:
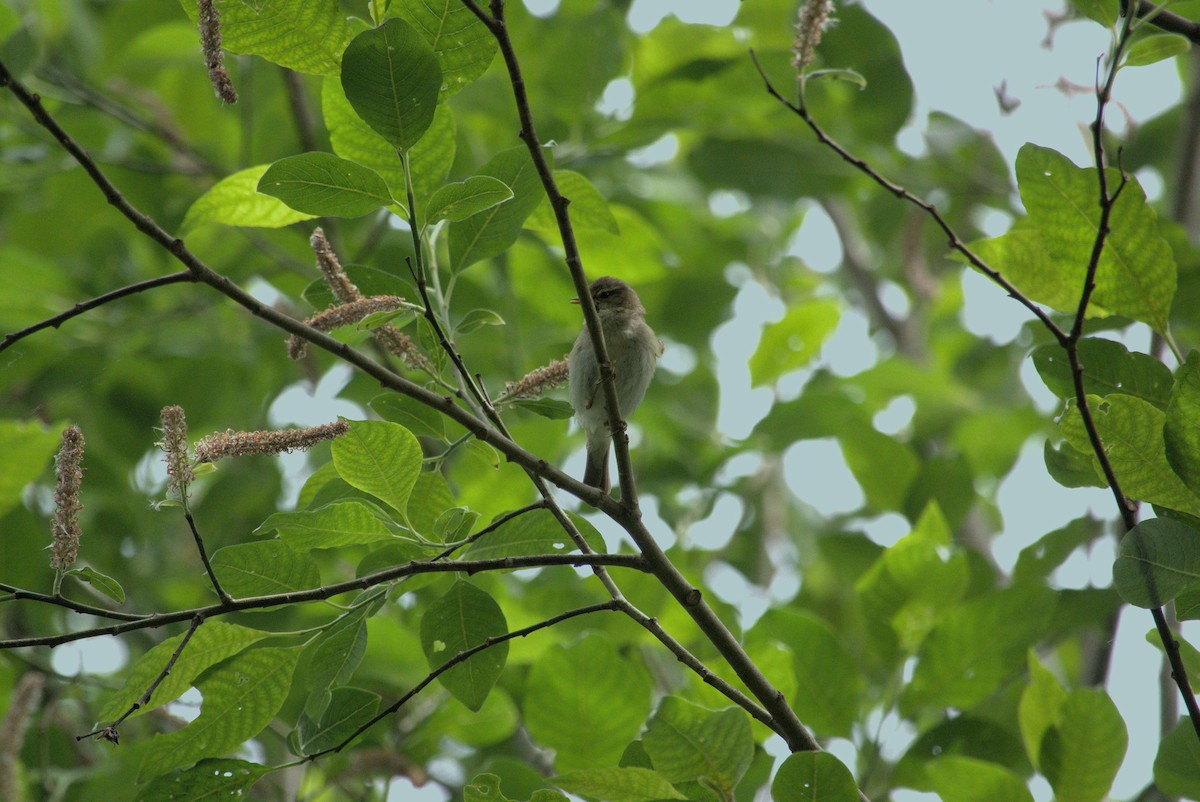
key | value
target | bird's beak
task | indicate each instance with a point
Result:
(575, 301)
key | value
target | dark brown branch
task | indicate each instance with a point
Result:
(110, 732)
(469, 567)
(1168, 21)
(100, 300)
(19, 594)
(627, 513)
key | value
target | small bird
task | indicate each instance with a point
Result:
(633, 350)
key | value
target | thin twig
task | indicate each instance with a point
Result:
(955, 243)
(110, 731)
(469, 567)
(1167, 21)
(100, 300)
(222, 594)
(461, 657)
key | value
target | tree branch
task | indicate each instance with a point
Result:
(1168, 21)
(18, 594)
(100, 300)
(212, 575)
(469, 567)
(954, 242)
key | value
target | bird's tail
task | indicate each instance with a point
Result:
(596, 472)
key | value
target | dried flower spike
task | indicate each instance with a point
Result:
(335, 276)
(535, 383)
(238, 444)
(22, 703)
(67, 504)
(214, 59)
(174, 443)
(344, 315)
(814, 17)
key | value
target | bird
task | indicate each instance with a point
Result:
(633, 350)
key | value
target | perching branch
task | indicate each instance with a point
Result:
(212, 575)
(627, 513)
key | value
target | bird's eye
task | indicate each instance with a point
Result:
(606, 293)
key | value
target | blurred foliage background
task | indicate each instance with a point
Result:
(912, 658)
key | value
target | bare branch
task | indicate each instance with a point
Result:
(100, 300)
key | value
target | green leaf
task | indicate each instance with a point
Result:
(1040, 708)
(1181, 430)
(104, 584)
(379, 458)
(618, 784)
(460, 200)
(792, 342)
(915, 583)
(391, 77)
(1155, 48)
(1177, 765)
(418, 418)
(484, 788)
(535, 532)
(967, 779)
(343, 523)
(687, 742)
(348, 709)
(431, 497)
(331, 658)
(492, 231)
(454, 524)
(213, 642)
(1159, 558)
(351, 138)
(1081, 755)
(840, 74)
(1021, 257)
(462, 43)
(477, 319)
(828, 682)
(236, 201)
(589, 210)
(494, 723)
(1039, 560)
(1132, 433)
(263, 568)
(241, 697)
(551, 408)
(323, 184)
(585, 730)
(1071, 467)
(28, 448)
(1102, 11)
(966, 735)
(302, 35)
(207, 781)
(465, 617)
(977, 645)
(813, 777)
(1108, 367)
(1136, 274)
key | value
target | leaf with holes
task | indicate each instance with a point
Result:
(465, 617)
